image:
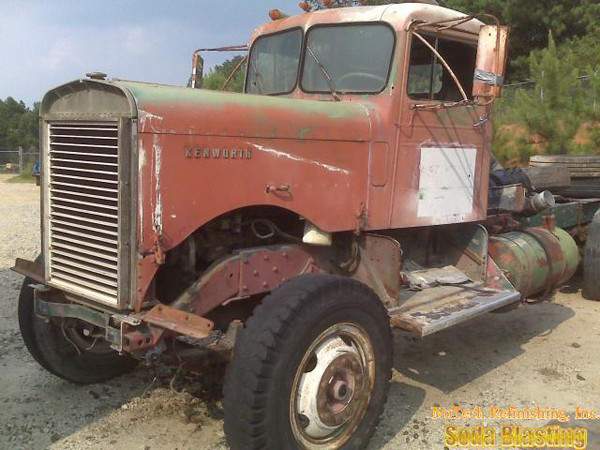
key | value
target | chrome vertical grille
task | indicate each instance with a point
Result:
(83, 209)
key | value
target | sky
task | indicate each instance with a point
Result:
(47, 43)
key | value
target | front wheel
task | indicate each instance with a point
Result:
(311, 368)
(69, 348)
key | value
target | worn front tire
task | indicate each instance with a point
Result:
(49, 346)
(311, 368)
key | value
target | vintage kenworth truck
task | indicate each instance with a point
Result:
(346, 192)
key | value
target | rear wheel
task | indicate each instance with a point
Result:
(311, 368)
(591, 261)
(69, 349)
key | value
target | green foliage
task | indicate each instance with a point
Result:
(18, 125)
(218, 75)
(532, 20)
(559, 115)
(595, 137)
(583, 52)
(557, 91)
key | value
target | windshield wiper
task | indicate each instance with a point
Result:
(326, 75)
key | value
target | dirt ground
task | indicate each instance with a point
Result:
(544, 355)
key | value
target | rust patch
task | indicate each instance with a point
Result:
(179, 321)
(251, 272)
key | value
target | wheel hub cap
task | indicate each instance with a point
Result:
(330, 393)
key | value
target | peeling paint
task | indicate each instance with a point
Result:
(158, 209)
(142, 159)
(145, 116)
(285, 155)
(141, 163)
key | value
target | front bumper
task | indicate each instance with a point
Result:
(131, 333)
(113, 330)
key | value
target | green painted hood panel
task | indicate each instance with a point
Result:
(178, 110)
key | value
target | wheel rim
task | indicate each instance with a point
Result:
(332, 387)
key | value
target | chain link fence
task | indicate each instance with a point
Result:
(19, 161)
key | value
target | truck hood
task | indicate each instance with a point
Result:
(178, 110)
(162, 109)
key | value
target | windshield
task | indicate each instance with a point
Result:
(357, 57)
(274, 62)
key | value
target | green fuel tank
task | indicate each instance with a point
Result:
(535, 259)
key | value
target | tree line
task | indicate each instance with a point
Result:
(18, 125)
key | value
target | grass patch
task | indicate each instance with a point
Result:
(23, 178)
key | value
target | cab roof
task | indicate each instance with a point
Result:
(399, 16)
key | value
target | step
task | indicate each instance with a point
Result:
(431, 310)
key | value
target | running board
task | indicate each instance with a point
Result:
(436, 309)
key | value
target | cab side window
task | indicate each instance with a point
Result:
(427, 77)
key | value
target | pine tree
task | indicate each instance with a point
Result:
(218, 75)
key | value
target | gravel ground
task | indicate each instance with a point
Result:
(544, 355)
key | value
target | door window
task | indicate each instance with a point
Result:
(428, 79)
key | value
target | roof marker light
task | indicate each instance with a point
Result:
(276, 14)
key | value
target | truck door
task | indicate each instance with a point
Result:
(441, 174)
